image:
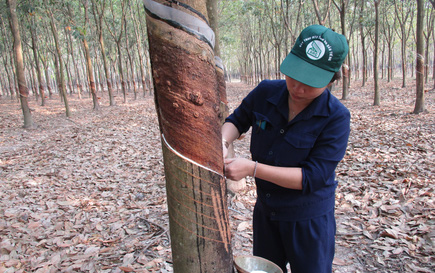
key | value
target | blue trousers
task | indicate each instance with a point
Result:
(308, 245)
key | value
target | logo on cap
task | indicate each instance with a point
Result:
(315, 50)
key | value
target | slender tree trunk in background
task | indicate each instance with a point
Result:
(95, 69)
(187, 103)
(34, 82)
(212, 11)
(5, 57)
(48, 82)
(320, 18)
(345, 68)
(83, 66)
(127, 76)
(117, 38)
(47, 76)
(130, 61)
(139, 49)
(90, 73)
(2, 87)
(61, 84)
(68, 76)
(433, 62)
(213, 16)
(419, 102)
(35, 49)
(403, 48)
(148, 76)
(57, 76)
(382, 60)
(430, 24)
(121, 72)
(101, 79)
(19, 65)
(390, 61)
(89, 68)
(377, 99)
(14, 75)
(76, 70)
(363, 47)
(402, 14)
(8, 76)
(70, 73)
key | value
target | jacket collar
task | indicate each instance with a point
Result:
(318, 107)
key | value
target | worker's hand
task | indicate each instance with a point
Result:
(238, 168)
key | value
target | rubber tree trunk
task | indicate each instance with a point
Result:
(61, 82)
(91, 78)
(188, 107)
(377, 95)
(35, 49)
(19, 65)
(346, 65)
(98, 17)
(138, 47)
(419, 100)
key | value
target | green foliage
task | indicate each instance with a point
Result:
(248, 29)
(79, 33)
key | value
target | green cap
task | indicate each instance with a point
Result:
(316, 56)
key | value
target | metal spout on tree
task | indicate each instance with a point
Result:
(188, 106)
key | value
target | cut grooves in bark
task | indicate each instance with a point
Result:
(188, 106)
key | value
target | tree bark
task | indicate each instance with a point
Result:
(130, 61)
(19, 65)
(5, 57)
(57, 76)
(8, 76)
(139, 49)
(70, 74)
(61, 84)
(403, 12)
(117, 38)
(3, 89)
(430, 22)
(363, 47)
(389, 40)
(433, 62)
(35, 49)
(346, 69)
(419, 102)
(377, 97)
(78, 79)
(320, 18)
(99, 25)
(213, 15)
(187, 103)
(89, 69)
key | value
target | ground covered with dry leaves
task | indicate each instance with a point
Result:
(87, 193)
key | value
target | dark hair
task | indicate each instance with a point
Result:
(336, 77)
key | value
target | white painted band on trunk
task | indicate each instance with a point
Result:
(186, 20)
(218, 62)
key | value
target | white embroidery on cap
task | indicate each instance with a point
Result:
(315, 50)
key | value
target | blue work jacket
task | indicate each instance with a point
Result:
(315, 140)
